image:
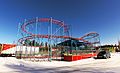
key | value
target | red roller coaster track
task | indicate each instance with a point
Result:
(57, 22)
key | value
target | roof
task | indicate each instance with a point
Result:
(71, 42)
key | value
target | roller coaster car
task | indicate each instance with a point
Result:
(103, 55)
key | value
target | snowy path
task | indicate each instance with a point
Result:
(12, 65)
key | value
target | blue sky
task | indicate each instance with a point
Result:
(102, 16)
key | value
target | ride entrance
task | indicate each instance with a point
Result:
(47, 39)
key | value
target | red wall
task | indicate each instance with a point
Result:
(78, 57)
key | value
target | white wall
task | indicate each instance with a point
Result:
(21, 48)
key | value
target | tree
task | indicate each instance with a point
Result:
(27, 42)
(42, 44)
(46, 44)
(0, 48)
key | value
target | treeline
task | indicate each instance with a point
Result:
(35, 43)
(104, 46)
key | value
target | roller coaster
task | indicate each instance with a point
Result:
(35, 32)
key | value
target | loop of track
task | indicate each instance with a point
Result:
(57, 22)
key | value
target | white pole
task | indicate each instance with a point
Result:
(51, 40)
(17, 41)
(35, 36)
(48, 43)
(25, 44)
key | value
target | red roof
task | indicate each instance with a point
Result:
(8, 46)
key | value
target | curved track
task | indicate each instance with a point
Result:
(90, 35)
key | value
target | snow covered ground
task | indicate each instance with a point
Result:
(13, 65)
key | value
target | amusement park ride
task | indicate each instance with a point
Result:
(50, 39)
(35, 32)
